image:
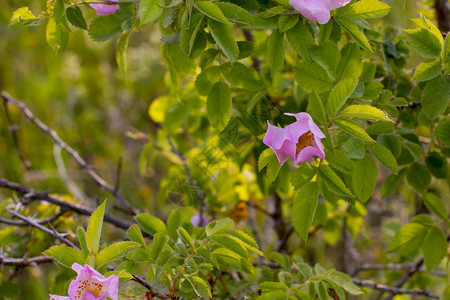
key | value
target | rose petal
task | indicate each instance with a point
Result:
(307, 155)
(104, 9)
(56, 297)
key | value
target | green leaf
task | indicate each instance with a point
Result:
(428, 69)
(304, 208)
(353, 129)
(436, 95)
(339, 95)
(302, 175)
(81, 236)
(408, 239)
(21, 15)
(94, 229)
(424, 23)
(287, 22)
(150, 10)
(226, 253)
(235, 13)
(269, 159)
(350, 65)
(446, 55)
(224, 38)
(316, 107)
(241, 76)
(327, 55)
(56, 37)
(334, 182)
(269, 286)
(218, 226)
(105, 27)
(59, 15)
(437, 164)
(341, 162)
(230, 243)
(364, 178)
(219, 105)
(312, 77)
(247, 241)
(185, 237)
(384, 156)
(65, 255)
(391, 182)
(434, 247)
(174, 222)
(442, 132)
(418, 177)
(354, 31)
(159, 241)
(75, 17)
(300, 39)
(435, 205)
(365, 112)
(321, 290)
(206, 79)
(200, 287)
(424, 42)
(372, 90)
(211, 10)
(367, 9)
(150, 224)
(344, 281)
(188, 35)
(275, 51)
(134, 234)
(121, 54)
(113, 252)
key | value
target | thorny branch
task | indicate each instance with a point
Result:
(42, 221)
(74, 154)
(24, 262)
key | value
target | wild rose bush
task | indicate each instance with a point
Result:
(347, 201)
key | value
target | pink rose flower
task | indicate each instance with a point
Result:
(105, 9)
(195, 220)
(317, 10)
(90, 285)
(299, 140)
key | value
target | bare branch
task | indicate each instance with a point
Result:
(154, 290)
(33, 223)
(393, 290)
(74, 154)
(41, 221)
(396, 267)
(31, 194)
(24, 262)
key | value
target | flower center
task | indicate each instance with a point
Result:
(305, 140)
(86, 285)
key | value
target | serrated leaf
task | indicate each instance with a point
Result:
(333, 181)
(317, 108)
(287, 22)
(391, 182)
(341, 162)
(174, 222)
(408, 239)
(219, 105)
(56, 37)
(200, 287)
(121, 53)
(353, 129)
(364, 178)
(327, 55)
(235, 13)
(230, 243)
(20, 15)
(424, 42)
(150, 10)
(435, 205)
(226, 253)
(224, 38)
(312, 77)
(384, 156)
(59, 15)
(75, 17)
(241, 76)
(65, 255)
(355, 33)
(365, 112)
(350, 65)
(300, 39)
(113, 252)
(269, 286)
(436, 95)
(94, 229)
(247, 241)
(218, 226)
(268, 158)
(206, 79)
(275, 51)
(150, 224)
(428, 69)
(81, 236)
(211, 10)
(304, 209)
(418, 177)
(339, 95)
(159, 241)
(367, 9)
(188, 35)
(134, 234)
(104, 27)
(302, 176)
(434, 247)
(344, 281)
(442, 132)
(185, 237)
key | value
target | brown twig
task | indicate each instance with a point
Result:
(74, 154)
(395, 267)
(33, 223)
(393, 290)
(31, 194)
(154, 290)
(24, 262)
(41, 221)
